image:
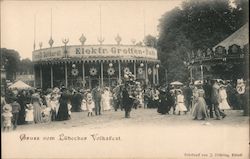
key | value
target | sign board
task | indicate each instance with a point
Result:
(95, 51)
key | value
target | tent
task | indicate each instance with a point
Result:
(240, 37)
(20, 85)
(176, 83)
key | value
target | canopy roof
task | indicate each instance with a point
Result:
(240, 37)
(176, 83)
(20, 85)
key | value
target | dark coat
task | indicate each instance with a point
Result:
(63, 113)
(126, 100)
(215, 94)
(163, 107)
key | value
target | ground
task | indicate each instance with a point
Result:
(146, 134)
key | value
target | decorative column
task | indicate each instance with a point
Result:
(34, 72)
(191, 74)
(51, 76)
(83, 75)
(166, 76)
(157, 73)
(135, 69)
(146, 73)
(119, 72)
(66, 76)
(154, 75)
(41, 77)
(101, 73)
(202, 72)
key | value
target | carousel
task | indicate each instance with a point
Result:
(74, 66)
(228, 60)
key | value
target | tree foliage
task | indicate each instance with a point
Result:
(150, 41)
(198, 24)
(10, 60)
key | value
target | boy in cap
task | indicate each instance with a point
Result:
(15, 111)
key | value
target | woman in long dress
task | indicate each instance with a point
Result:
(200, 109)
(36, 102)
(63, 112)
(223, 105)
(163, 104)
(105, 100)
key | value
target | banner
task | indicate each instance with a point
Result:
(95, 51)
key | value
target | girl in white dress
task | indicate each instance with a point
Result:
(89, 104)
(105, 100)
(180, 107)
(223, 105)
(54, 104)
(29, 114)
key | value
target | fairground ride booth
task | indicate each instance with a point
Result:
(75, 66)
(228, 60)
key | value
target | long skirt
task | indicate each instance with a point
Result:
(224, 105)
(180, 107)
(199, 109)
(37, 112)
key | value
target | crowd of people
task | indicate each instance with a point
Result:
(206, 100)
(202, 100)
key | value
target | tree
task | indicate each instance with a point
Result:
(10, 61)
(150, 41)
(197, 24)
(26, 66)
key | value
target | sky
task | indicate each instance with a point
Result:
(71, 19)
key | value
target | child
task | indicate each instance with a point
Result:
(6, 116)
(29, 115)
(89, 104)
(15, 111)
(54, 105)
(180, 107)
(69, 109)
(83, 105)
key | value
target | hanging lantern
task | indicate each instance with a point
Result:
(157, 66)
(92, 71)
(73, 65)
(110, 65)
(141, 64)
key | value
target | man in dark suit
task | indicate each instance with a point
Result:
(96, 94)
(127, 101)
(208, 90)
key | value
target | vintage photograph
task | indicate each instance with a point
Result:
(125, 79)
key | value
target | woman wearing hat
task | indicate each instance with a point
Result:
(105, 99)
(200, 110)
(36, 102)
(223, 104)
(63, 112)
